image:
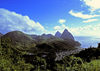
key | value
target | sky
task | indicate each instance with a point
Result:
(80, 17)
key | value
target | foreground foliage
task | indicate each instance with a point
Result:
(12, 59)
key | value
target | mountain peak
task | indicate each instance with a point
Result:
(66, 35)
(65, 30)
(58, 34)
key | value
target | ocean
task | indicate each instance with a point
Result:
(87, 41)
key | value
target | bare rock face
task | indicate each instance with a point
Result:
(66, 35)
(58, 34)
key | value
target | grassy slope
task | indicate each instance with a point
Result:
(94, 65)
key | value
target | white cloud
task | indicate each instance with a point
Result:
(89, 30)
(93, 4)
(10, 21)
(61, 21)
(60, 28)
(57, 27)
(90, 20)
(81, 15)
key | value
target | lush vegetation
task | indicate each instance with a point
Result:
(13, 59)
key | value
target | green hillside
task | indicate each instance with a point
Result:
(19, 40)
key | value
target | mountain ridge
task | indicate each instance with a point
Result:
(25, 41)
(18, 39)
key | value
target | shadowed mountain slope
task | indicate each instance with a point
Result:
(19, 39)
(66, 35)
(58, 34)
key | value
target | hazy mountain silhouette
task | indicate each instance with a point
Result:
(66, 35)
(58, 34)
(44, 38)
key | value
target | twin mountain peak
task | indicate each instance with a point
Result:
(65, 35)
(61, 41)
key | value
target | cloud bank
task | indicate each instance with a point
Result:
(89, 30)
(92, 4)
(81, 15)
(11, 21)
(90, 20)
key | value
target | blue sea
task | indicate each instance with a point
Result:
(87, 41)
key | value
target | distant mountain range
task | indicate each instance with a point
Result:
(20, 40)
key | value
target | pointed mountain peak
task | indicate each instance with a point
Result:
(67, 35)
(58, 34)
(65, 31)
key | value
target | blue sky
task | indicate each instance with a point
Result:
(80, 17)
